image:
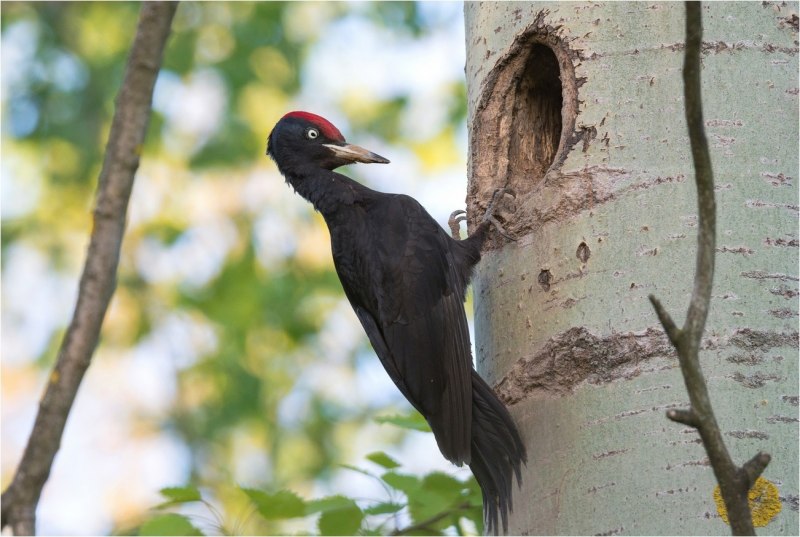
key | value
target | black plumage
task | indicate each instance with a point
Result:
(406, 279)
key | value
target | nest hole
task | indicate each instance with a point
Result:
(524, 125)
(536, 117)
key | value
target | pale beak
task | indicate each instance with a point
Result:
(354, 153)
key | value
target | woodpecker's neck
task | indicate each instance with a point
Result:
(325, 189)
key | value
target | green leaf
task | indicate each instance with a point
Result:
(438, 492)
(383, 508)
(382, 459)
(444, 484)
(407, 484)
(328, 503)
(343, 520)
(413, 421)
(340, 515)
(169, 524)
(180, 495)
(280, 505)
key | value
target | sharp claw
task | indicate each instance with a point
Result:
(455, 213)
(456, 217)
(489, 215)
(499, 227)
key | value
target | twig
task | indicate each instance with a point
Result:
(425, 524)
(98, 279)
(734, 482)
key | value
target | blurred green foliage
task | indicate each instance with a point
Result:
(216, 246)
(433, 504)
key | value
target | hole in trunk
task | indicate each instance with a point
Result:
(583, 252)
(536, 117)
(524, 124)
(545, 278)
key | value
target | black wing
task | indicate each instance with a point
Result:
(400, 275)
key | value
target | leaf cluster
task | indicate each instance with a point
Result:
(429, 504)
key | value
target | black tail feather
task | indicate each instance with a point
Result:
(497, 454)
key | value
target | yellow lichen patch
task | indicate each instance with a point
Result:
(763, 499)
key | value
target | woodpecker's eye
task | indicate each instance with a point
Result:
(312, 133)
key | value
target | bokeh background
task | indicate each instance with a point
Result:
(229, 356)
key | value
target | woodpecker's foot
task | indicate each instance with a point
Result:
(456, 217)
(489, 216)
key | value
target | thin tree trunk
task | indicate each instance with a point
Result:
(98, 280)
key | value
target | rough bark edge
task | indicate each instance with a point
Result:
(98, 280)
(489, 165)
(734, 482)
(577, 356)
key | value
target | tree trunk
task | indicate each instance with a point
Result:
(579, 110)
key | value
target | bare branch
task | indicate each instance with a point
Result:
(734, 482)
(425, 526)
(673, 332)
(686, 417)
(98, 279)
(755, 466)
(704, 179)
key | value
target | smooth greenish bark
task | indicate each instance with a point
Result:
(564, 329)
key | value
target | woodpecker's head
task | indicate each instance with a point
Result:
(301, 139)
